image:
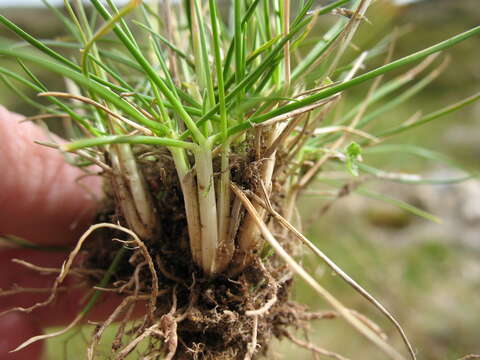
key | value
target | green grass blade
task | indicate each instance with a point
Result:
(328, 8)
(431, 117)
(254, 75)
(60, 104)
(250, 11)
(17, 242)
(36, 43)
(133, 65)
(218, 67)
(65, 20)
(412, 179)
(238, 37)
(96, 88)
(105, 29)
(32, 76)
(25, 98)
(398, 203)
(383, 91)
(401, 98)
(319, 49)
(261, 49)
(412, 150)
(123, 24)
(357, 80)
(126, 139)
(151, 73)
(161, 58)
(203, 62)
(164, 40)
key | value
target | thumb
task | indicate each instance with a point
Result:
(42, 198)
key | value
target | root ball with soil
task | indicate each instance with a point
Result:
(226, 316)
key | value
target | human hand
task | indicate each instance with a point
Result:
(42, 202)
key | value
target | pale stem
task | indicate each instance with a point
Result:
(226, 244)
(190, 199)
(129, 198)
(207, 207)
(138, 186)
(250, 233)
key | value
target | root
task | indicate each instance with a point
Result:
(136, 240)
(134, 280)
(166, 328)
(273, 298)
(47, 270)
(313, 348)
(252, 347)
(115, 290)
(21, 290)
(165, 272)
(74, 323)
(65, 270)
(334, 314)
(169, 328)
(60, 278)
(133, 344)
(321, 315)
(118, 311)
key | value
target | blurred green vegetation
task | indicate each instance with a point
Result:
(430, 283)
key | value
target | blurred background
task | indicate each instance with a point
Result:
(426, 273)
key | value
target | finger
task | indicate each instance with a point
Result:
(41, 199)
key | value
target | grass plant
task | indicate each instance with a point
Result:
(206, 128)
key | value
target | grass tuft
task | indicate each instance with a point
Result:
(202, 127)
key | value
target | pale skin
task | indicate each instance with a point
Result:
(41, 201)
